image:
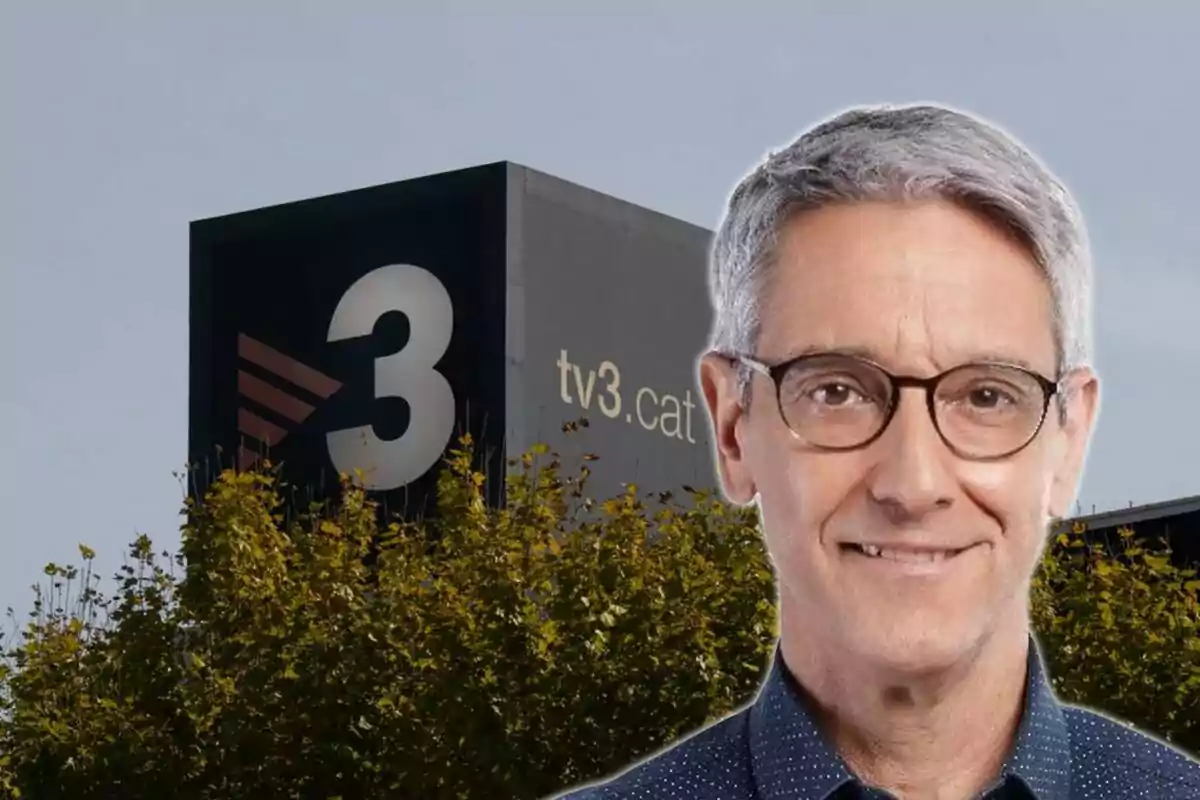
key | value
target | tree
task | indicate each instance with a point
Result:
(1120, 626)
(484, 653)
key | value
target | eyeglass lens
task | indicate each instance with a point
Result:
(842, 402)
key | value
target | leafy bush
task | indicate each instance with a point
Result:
(485, 653)
(488, 653)
(1120, 627)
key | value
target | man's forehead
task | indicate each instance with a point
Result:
(943, 293)
(967, 315)
(914, 244)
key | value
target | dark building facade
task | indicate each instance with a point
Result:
(364, 331)
(1173, 522)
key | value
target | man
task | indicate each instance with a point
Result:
(900, 379)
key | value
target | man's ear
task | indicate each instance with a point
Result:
(1082, 402)
(723, 398)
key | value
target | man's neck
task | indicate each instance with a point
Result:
(939, 736)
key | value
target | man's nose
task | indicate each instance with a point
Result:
(913, 474)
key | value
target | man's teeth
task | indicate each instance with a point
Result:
(907, 556)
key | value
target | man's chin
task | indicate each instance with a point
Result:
(916, 652)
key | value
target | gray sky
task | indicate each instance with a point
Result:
(122, 126)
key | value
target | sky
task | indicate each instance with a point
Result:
(120, 126)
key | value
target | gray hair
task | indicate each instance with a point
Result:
(898, 153)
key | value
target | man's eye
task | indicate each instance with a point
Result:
(835, 394)
(831, 393)
(987, 398)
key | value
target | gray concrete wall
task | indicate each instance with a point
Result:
(608, 312)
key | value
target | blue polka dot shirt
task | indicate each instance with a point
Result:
(772, 750)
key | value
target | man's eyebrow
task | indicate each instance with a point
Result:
(812, 350)
(996, 357)
(870, 354)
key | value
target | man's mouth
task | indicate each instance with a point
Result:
(904, 555)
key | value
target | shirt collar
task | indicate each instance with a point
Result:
(1041, 757)
(791, 757)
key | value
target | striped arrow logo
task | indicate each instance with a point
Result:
(287, 408)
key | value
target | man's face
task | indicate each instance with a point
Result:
(919, 289)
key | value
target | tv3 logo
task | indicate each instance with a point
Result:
(409, 374)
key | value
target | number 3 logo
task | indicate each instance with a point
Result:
(408, 374)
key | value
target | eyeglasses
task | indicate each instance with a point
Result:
(982, 411)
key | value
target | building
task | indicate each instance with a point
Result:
(1175, 522)
(368, 329)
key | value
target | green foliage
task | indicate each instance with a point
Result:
(486, 653)
(1120, 626)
